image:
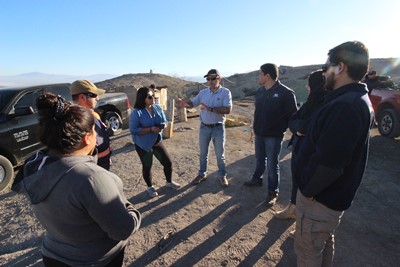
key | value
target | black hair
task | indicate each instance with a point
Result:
(271, 69)
(316, 82)
(354, 55)
(141, 97)
(62, 125)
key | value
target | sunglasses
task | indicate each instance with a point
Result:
(150, 96)
(211, 79)
(91, 95)
(326, 66)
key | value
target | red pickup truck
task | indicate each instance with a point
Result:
(386, 103)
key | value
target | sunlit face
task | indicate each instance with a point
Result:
(90, 100)
(213, 81)
(149, 98)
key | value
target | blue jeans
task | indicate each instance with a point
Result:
(268, 150)
(217, 135)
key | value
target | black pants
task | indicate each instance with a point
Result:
(161, 153)
(116, 262)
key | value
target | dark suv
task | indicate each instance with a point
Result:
(19, 125)
(19, 122)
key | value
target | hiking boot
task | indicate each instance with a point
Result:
(173, 185)
(287, 213)
(199, 179)
(254, 182)
(223, 181)
(151, 191)
(271, 198)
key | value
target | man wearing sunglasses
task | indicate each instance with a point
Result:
(215, 102)
(333, 155)
(85, 93)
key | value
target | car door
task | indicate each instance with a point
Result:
(24, 125)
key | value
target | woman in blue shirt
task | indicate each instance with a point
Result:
(146, 123)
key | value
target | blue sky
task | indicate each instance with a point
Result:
(185, 37)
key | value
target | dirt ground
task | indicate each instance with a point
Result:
(207, 225)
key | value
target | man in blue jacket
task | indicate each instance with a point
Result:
(333, 156)
(275, 103)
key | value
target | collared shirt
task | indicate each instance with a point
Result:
(220, 98)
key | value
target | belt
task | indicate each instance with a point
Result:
(212, 125)
(104, 153)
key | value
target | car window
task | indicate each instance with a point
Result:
(60, 90)
(27, 100)
(5, 98)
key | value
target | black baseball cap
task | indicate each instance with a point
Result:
(212, 72)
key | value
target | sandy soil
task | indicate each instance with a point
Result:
(207, 225)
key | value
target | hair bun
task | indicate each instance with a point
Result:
(60, 108)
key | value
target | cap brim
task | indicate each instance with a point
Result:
(98, 91)
(214, 74)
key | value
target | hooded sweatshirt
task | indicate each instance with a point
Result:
(81, 205)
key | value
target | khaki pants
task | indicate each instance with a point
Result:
(315, 228)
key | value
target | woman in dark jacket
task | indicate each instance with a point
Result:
(298, 125)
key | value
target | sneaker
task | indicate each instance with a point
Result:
(199, 179)
(271, 198)
(292, 234)
(254, 182)
(287, 213)
(152, 191)
(173, 185)
(223, 181)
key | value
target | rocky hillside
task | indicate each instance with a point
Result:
(241, 85)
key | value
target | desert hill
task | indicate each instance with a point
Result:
(241, 85)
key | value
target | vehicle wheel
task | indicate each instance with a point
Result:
(6, 173)
(113, 122)
(388, 123)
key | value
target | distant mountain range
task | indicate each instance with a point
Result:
(34, 78)
(240, 84)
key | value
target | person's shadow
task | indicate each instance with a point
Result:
(231, 216)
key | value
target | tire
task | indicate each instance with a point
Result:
(6, 173)
(113, 122)
(388, 123)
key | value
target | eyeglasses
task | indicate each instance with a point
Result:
(326, 66)
(150, 96)
(211, 79)
(91, 95)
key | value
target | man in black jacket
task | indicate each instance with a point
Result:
(333, 156)
(275, 103)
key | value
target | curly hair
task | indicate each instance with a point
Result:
(62, 125)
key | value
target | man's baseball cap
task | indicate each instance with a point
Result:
(212, 72)
(85, 86)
